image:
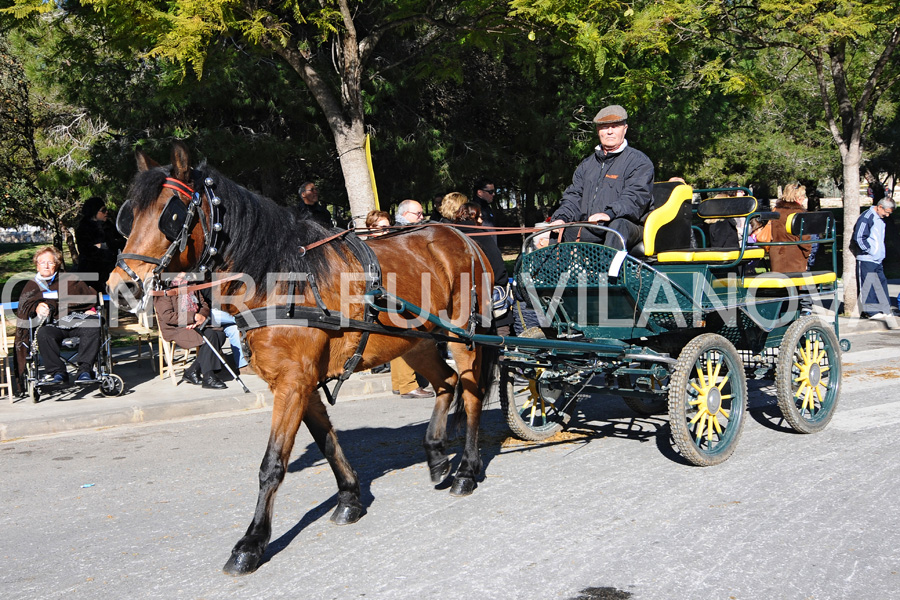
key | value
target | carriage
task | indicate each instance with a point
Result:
(675, 328)
(677, 325)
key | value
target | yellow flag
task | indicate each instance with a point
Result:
(371, 171)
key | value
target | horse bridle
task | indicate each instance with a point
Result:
(176, 222)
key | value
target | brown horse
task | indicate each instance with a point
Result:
(435, 268)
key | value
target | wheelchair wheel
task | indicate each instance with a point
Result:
(112, 385)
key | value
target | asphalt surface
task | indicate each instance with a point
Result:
(607, 511)
(147, 398)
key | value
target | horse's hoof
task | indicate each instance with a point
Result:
(462, 486)
(345, 514)
(241, 563)
(440, 470)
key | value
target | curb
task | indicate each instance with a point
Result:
(23, 419)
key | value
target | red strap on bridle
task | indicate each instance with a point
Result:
(179, 186)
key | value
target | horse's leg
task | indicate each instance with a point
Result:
(349, 508)
(426, 360)
(468, 363)
(287, 412)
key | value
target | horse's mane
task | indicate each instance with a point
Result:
(258, 236)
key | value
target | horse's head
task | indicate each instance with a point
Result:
(160, 219)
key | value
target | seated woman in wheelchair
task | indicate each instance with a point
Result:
(59, 306)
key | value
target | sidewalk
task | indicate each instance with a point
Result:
(147, 398)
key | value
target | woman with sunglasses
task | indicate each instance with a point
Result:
(97, 243)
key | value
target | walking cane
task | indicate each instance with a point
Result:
(225, 364)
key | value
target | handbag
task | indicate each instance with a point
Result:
(764, 233)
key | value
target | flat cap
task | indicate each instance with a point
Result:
(611, 114)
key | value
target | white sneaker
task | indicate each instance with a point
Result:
(878, 317)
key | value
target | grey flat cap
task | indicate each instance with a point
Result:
(611, 114)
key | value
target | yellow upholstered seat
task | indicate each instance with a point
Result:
(780, 281)
(708, 255)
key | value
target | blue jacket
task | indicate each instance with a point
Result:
(868, 237)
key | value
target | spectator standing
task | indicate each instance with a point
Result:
(97, 243)
(409, 212)
(484, 191)
(468, 215)
(311, 209)
(403, 377)
(868, 247)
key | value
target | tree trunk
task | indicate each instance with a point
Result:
(350, 144)
(850, 199)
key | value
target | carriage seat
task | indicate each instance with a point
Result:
(810, 223)
(719, 208)
(668, 224)
(780, 281)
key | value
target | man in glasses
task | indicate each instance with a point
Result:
(484, 191)
(612, 187)
(403, 378)
(409, 212)
(310, 207)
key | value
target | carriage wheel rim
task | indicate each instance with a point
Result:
(710, 425)
(812, 385)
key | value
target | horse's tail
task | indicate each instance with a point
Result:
(490, 357)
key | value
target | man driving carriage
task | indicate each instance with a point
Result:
(612, 187)
(55, 307)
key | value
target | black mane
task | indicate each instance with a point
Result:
(258, 236)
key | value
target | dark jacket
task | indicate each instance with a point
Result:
(316, 212)
(620, 185)
(92, 259)
(787, 259)
(77, 296)
(173, 321)
(488, 245)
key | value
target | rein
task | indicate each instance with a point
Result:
(184, 289)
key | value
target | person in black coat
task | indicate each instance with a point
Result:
(468, 216)
(310, 208)
(97, 243)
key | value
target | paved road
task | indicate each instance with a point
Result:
(607, 512)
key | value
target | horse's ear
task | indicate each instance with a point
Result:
(144, 162)
(181, 162)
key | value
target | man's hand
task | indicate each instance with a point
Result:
(598, 218)
(199, 320)
(43, 310)
(542, 240)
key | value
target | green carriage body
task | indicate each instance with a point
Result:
(673, 330)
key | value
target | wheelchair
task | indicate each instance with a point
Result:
(35, 382)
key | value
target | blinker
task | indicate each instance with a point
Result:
(173, 217)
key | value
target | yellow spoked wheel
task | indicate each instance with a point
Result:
(535, 406)
(808, 375)
(707, 400)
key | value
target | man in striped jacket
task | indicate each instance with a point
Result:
(868, 247)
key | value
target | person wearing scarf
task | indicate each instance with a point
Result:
(183, 319)
(57, 307)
